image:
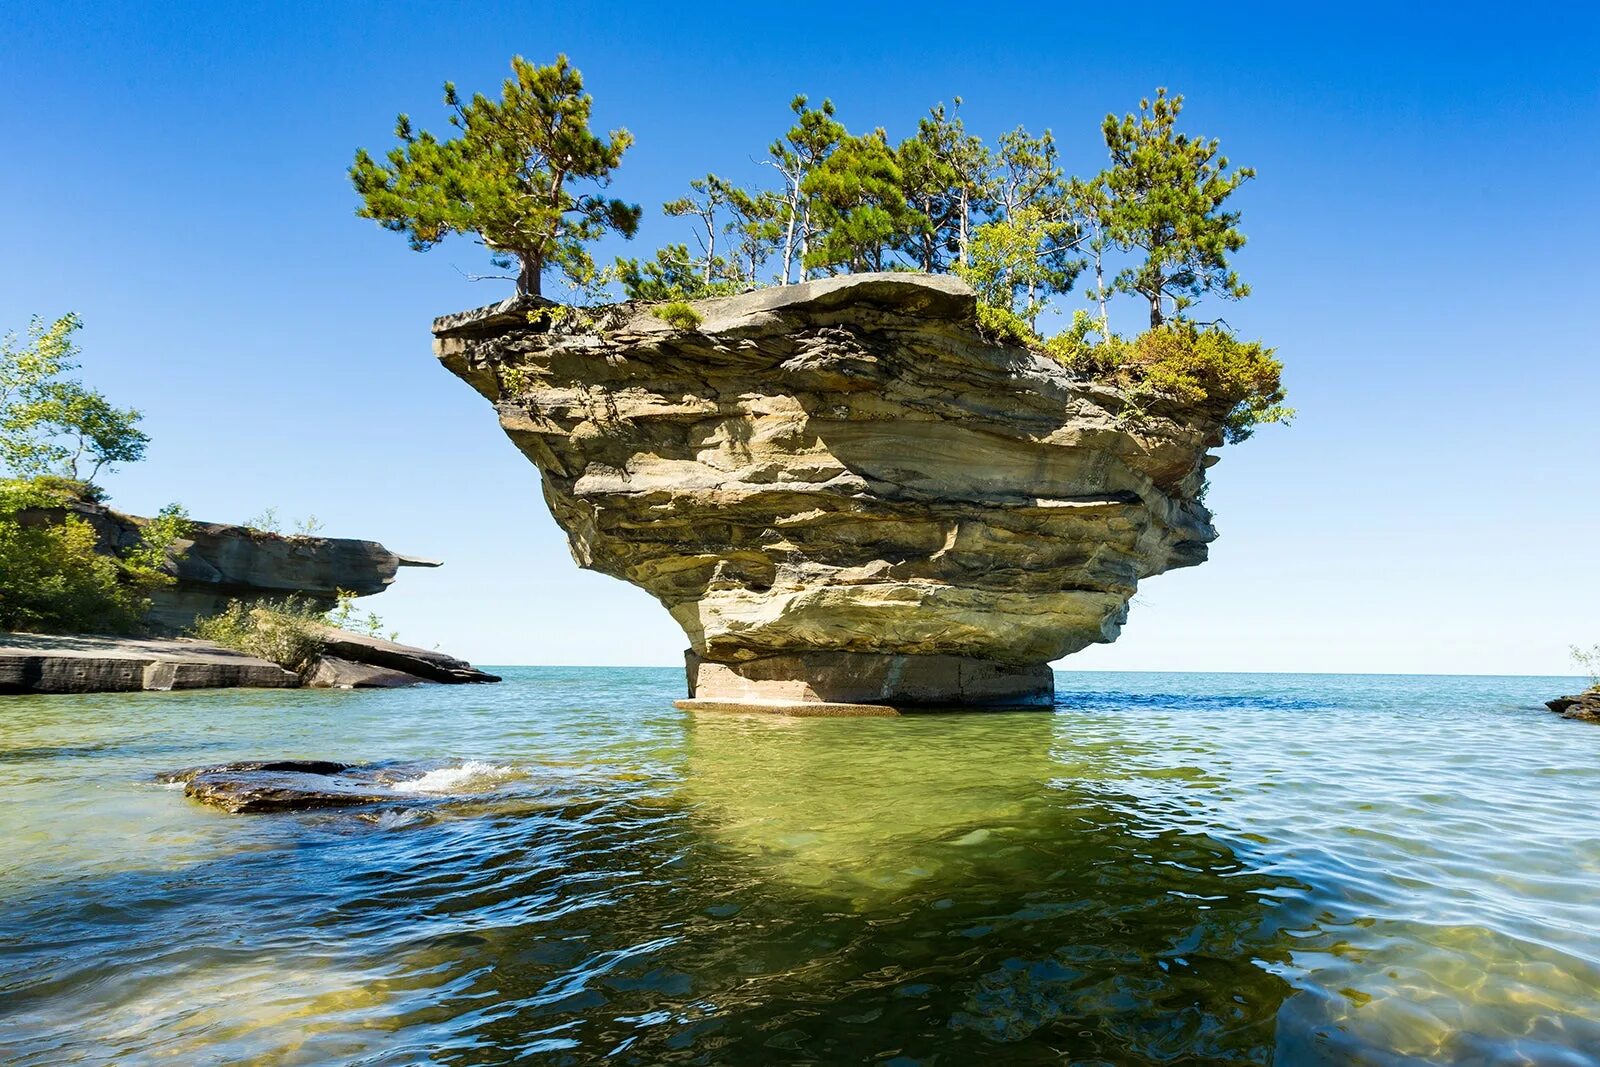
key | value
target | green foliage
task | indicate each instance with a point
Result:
(1166, 193)
(858, 207)
(286, 632)
(1153, 224)
(678, 315)
(506, 177)
(672, 275)
(1207, 369)
(1589, 661)
(1004, 326)
(345, 616)
(796, 156)
(1018, 263)
(55, 577)
(946, 176)
(51, 423)
(266, 522)
(289, 632)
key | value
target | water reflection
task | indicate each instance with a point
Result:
(1296, 881)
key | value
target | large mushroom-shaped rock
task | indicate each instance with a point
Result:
(842, 490)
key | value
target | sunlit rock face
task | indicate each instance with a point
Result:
(840, 489)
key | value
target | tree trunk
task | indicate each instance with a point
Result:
(1155, 310)
(529, 276)
(788, 235)
(711, 244)
(961, 238)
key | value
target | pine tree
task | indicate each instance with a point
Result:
(945, 174)
(507, 176)
(795, 155)
(1166, 199)
(858, 207)
(708, 198)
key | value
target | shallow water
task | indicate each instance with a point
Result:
(1194, 869)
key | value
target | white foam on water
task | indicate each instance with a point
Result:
(468, 777)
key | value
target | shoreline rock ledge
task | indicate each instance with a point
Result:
(850, 499)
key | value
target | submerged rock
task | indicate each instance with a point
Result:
(1584, 706)
(256, 786)
(277, 785)
(841, 490)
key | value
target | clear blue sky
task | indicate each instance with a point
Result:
(1422, 248)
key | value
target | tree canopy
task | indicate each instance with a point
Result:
(1155, 223)
(511, 175)
(51, 424)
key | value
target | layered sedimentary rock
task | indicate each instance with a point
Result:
(81, 663)
(841, 489)
(218, 562)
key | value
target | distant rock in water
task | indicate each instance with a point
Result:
(844, 493)
(1585, 705)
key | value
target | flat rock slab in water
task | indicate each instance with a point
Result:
(282, 785)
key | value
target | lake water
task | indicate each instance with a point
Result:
(1167, 869)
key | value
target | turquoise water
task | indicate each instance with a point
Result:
(1168, 869)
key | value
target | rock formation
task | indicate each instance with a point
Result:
(218, 562)
(78, 663)
(841, 490)
(1585, 706)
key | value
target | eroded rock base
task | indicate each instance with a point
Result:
(845, 680)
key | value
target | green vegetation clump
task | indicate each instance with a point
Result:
(56, 436)
(55, 577)
(1003, 326)
(677, 314)
(1155, 224)
(286, 632)
(508, 176)
(289, 632)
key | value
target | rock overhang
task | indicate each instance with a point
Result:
(844, 466)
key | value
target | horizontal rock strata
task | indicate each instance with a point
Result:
(218, 562)
(844, 468)
(51, 663)
(1585, 706)
(37, 663)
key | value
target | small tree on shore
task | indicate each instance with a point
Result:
(51, 424)
(507, 177)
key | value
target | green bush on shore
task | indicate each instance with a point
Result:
(56, 577)
(289, 632)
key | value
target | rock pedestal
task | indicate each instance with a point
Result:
(841, 490)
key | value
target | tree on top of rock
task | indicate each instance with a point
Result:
(507, 177)
(1167, 193)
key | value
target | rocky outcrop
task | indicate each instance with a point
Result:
(841, 490)
(41, 663)
(218, 562)
(56, 663)
(1584, 706)
(381, 661)
(256, 786)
